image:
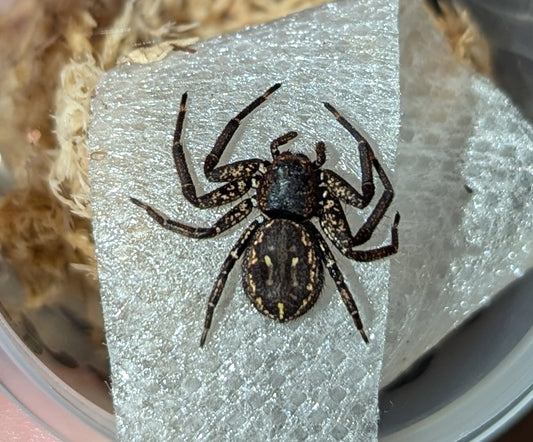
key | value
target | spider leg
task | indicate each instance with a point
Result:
(366, 157)
(280, 141)
(333, 220)
(228, 172)
(231, 218)
(342, 190)
(325, 253)
(335, 225)
(227, 266)
(223, 195)
(379, 252)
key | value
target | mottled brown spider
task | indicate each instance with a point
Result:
(283, 252)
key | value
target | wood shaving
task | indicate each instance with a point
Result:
(62, 50)
(467, 42)
(54, 53)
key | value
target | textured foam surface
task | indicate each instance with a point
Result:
(313, 378)
(465, 191)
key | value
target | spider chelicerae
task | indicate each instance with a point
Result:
(283, 252)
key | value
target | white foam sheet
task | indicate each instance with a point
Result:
(313, 378)
(464, 188)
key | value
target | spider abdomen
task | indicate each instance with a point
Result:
(282, 282)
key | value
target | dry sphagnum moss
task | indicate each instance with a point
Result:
(54, 52)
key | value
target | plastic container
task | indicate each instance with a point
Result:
(49, 399)
(475, 384)
(471, 387)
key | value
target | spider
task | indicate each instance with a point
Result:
(283, 252)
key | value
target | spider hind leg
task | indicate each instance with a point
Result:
(233, 256)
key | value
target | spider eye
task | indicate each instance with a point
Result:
(297, 168)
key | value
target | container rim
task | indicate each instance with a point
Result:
(55, 405)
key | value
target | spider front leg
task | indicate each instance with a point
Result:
(238, 175)
(239, 185)
(341, 189)
(366, 158)
(231, 218)
(227, 266)
(325, 253)
(228, 172)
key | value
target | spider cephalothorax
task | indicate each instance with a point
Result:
(283, 252)
(289, 187)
